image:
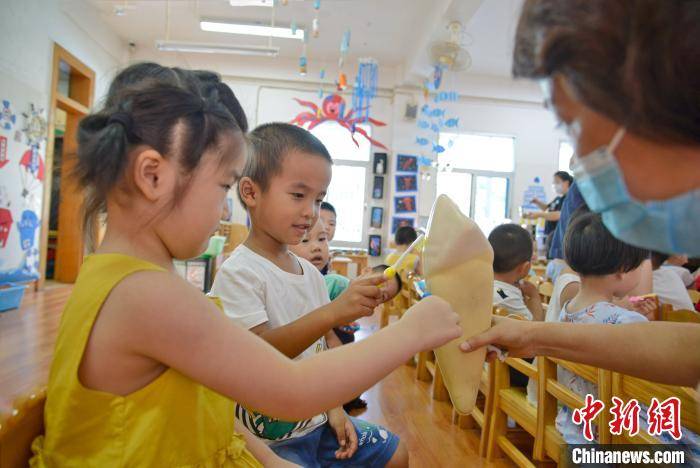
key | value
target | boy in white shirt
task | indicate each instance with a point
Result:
(675, 263)
(512, 254)
(668, 285)
(283, 298)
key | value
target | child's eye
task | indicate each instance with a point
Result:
(298, 195)
(227, 187)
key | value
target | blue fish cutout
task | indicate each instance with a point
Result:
(422, 141)
(423, 124)
(450, 143)
(425, 109)
(437, 112)
(435, 128)
(438, 149)
(452, 123)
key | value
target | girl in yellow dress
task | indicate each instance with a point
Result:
(145, 366)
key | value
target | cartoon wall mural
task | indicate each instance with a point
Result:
(23, 133)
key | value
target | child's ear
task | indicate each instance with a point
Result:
(154, 176)
(249, 191)
(525, 268)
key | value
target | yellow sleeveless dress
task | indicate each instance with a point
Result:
(172, 422)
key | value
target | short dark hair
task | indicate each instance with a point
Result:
(512, 246)
(658, 259)
(328, 207)
(564, 177)
(381, 268)
(405, 235)
(591, 250)
(270, 142)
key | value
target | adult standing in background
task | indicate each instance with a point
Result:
(551, 211)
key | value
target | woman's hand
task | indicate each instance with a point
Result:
(510, 335)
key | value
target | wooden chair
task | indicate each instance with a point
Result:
(235, 235)
(548, 441)
(670, 315)
(511, 402)
(20, 428)
(546, 289)
(694, 295)
(483, 409)
(399, 304)
(626, 388)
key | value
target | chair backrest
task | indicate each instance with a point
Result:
(626, 388)
(546, 289)
(670, 315)
(550, 392)
(235, 235)
(20, 428)
(694, 296)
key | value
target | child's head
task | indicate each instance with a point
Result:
(314, 246)
(512, 250)
(160, 157)
(591, 251)
(405, 235)
(677, 260)
(284, 181)
(329, 218)
(393, 285)
(658, 259)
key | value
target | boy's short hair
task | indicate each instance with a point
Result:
(405, 235)
(269, 143)
(328, 207)
(658, 259)
(381, 268)
(591, 250)
(512, 246)
(565, 177)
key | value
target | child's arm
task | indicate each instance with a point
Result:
(532, 299)
(157, 317)
(359, 300)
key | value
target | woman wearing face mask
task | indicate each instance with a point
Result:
(623, 77)
(552, 210)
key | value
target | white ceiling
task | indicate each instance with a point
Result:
(395, 32)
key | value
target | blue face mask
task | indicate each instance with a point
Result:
(670, 226)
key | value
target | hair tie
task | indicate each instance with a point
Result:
(125, 120)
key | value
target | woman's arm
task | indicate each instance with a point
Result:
(540, 204)
(163, 318)
(665, 352)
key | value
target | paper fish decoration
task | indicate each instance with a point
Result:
(422, 141)
(425, 109)
(435, 128)
(438, 149)
(451, 123)
(423, 124)
(437, 112)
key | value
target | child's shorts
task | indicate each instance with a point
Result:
(375, 447)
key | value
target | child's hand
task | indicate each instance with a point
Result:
(528, 289)
(646, 306)
(360, 299)
(345, 433)
(432, 322)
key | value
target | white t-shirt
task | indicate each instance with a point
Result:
(555, 305)
(670, 289)
(253, 290)
(685, 275)
(510, 297)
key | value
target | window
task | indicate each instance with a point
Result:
(347, 191)
(566, 151)
(478, 176)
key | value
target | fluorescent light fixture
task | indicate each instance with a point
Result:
(250, 29)
(208, 48)
(256, 3)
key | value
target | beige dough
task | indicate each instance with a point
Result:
(458, 266)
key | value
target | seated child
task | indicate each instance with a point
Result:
(403, 238)
(512, 253)
(607, 268)
(328, 216)
(675, 263)
(668, 286)
(283, 298)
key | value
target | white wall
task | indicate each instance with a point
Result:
(28, 30)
